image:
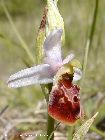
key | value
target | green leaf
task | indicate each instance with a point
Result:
(54, 18)
(41, 38)
(50, 21)
(80, 134)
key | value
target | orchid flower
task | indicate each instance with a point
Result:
(52, 63)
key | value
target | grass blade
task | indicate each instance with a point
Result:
(90, 39)
(23, 44)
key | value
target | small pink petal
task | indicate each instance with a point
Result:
(52, 47)
(68, 58)
(40, 74)
(77, 74)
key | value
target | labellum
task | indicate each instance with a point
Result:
(64, 101)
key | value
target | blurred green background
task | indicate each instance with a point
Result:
(26, 15)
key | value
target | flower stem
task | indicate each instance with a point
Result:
(50, 128)
(50, 120)
(70, 132)
(54, 130)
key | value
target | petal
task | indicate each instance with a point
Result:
(52, 47)
(40, 74)
(77, 74)
(68, 58)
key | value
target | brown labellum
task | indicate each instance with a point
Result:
(64, 102)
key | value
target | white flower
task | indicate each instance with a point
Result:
(44, 73)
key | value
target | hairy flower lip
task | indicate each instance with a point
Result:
(44, 73)
(64, 103)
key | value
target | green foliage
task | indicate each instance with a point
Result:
(25, 16)
(18, 7)
(80, 134)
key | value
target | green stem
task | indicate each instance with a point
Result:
(70, 132)
(50, 121)
(49, 138)
(50, 128)
(90, 39)
(44, 92)
(94, 129)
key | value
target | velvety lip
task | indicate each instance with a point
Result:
(64, 103)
